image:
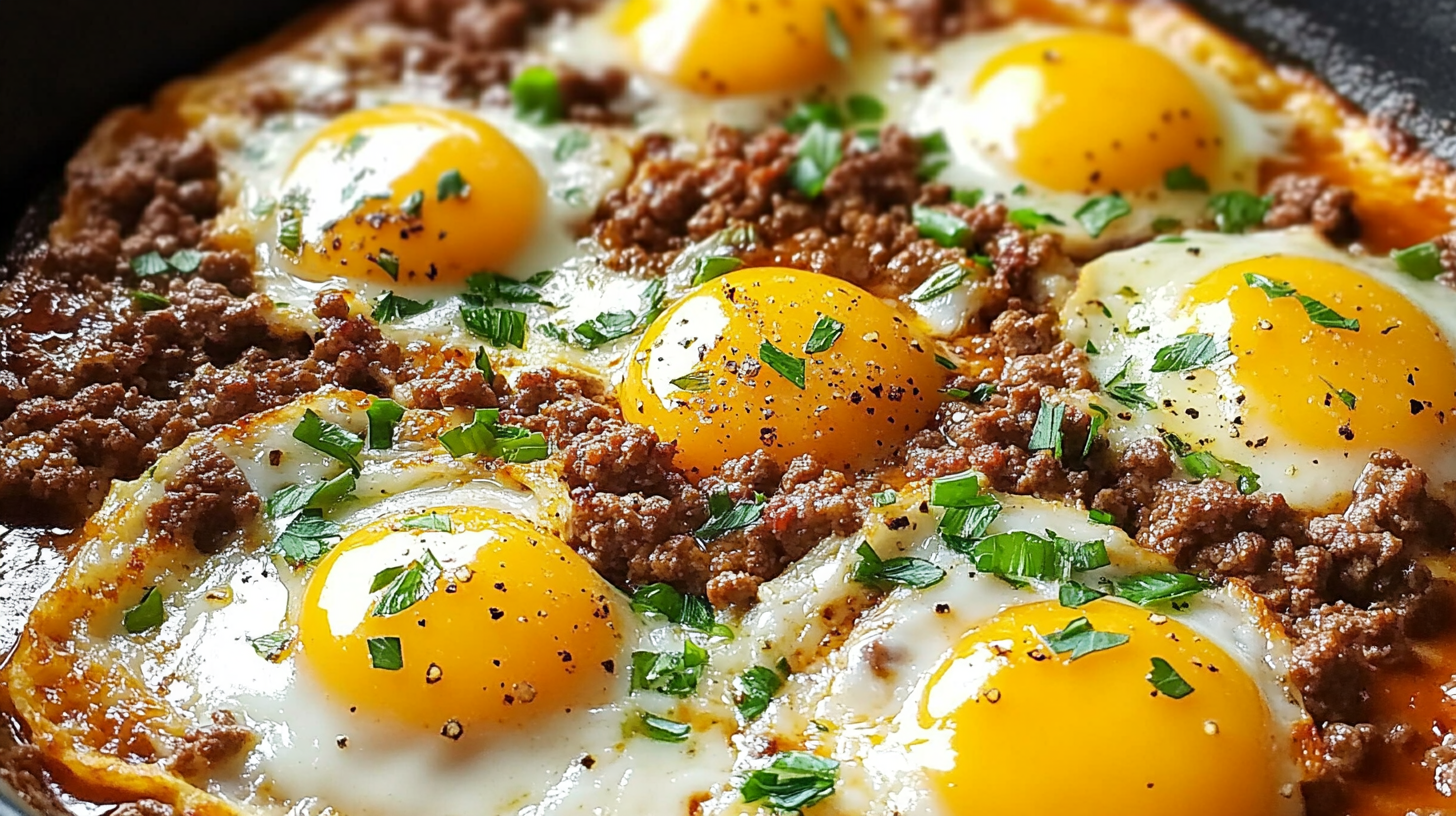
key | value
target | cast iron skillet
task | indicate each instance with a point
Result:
(65, 63)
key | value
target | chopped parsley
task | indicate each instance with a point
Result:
(674, 673)
(1204, 465)
(308, 537)
(501, 327)
(661, 728)
(147, 614)
(575, 141)
(326, 437)
(1183, 178)
(713, 266)
(969, 198)
(385, 653)
(431, 522)
(272, 645)
(1422, 261)
(1131, 394)
(1021, 554)
(1030, 219)
(1167, 681)
(1318, 313)
(482, 364)
(413, 204)
(864, 108)
(390, 307)
(1100, 517)
(1157, 587)
(487, 288)
(609, 326)
(1099, 417)
(820, 151)
(955, 491)
(880, 573)
(1098, 213)
(1188, 352)
(1344, 396)
(940, 226)
(725, 516)
(1046, 433)
(885, 498)
(789, 366)
(536, 96)
(795, 780)
(1073, 594)
(317, 496)
(834, 35)
(405, 586)
(152, 263)
(1236, 210)
(934, 155)
(692, 611)
(756, 688)
(694, 382)
(484, 435)
(944, 279)
(1079, 638)
(1164, 224)
(383, 415)
(387, 261)
(148, 301)
(825, 334)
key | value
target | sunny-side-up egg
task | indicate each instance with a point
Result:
(1058, 121)
(1272, 353)
(411, 639)
(967, 698)
(783, 361)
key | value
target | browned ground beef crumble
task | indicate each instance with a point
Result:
(94, 389)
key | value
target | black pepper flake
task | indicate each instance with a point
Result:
(433, 674)
(452, 730)
(610, 666)
(898, 523)
(587, 761)
(1416, 407)
(496, 614)
(342, 741)
(942, 608)
(275, 457)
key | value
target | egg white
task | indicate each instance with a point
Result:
(1143, 287)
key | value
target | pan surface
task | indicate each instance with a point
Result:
(65, 63)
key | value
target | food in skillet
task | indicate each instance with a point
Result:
(708, 408)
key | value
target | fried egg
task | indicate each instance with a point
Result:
(1272, 353)
(952, 700)
(449, 653)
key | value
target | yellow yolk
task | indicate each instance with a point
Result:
(513, 627)
(1398, 367)
(1014, 729)
(700, 376)
(376, 196)
(1091, 112)
(724, 47)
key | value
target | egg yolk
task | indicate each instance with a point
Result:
(1396, 372)
(731, 369)
(511, 626)
(1090, 111)
(408, 193)
(726, 47)
(1007, 726)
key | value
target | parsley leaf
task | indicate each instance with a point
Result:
(1131, 394)
(387, 261)
(536, 95)
(272, 645)
(575, 141)
(413, 204)
(1030, 219)
(825, 333)
(391, 307)
(661, 728)
(864, 108)
(724, 516)
(609, 326)
(484, 435)
(834, 35)
(385, 653)
(1098, 213)
(1183, 178)
(874, 571)
(756, 688)
(1236, 210)
(934, 155)
(502, 327)
(326, 437)
(1022, 554)
(945, 279)
(432, 522)
(1167, 681)
(885, 498)
(1079, 638)
(1188, 352)
(1322, 315)
(318, 496)
(383, 415)
(482, 364)
(149, 264)
(148, 301)
(147, 614)
(713, 266)
(955, 491)
(695, 382)
(306, 538)
(795, 780)
(940, 226)
(1344, 396)
(692, 611)
(820, 151)
(407, 587)
(791, 367)
(1073, 594)
(674, 673)
(1157, 587)
(1046, 433)
(1100, 517)
(1422, 261)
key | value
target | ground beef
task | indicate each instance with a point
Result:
(934, 20)
(860, 229)
(144, 807)
(206, 502)
(23, 769)
(202, 749)
(1303, 199)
